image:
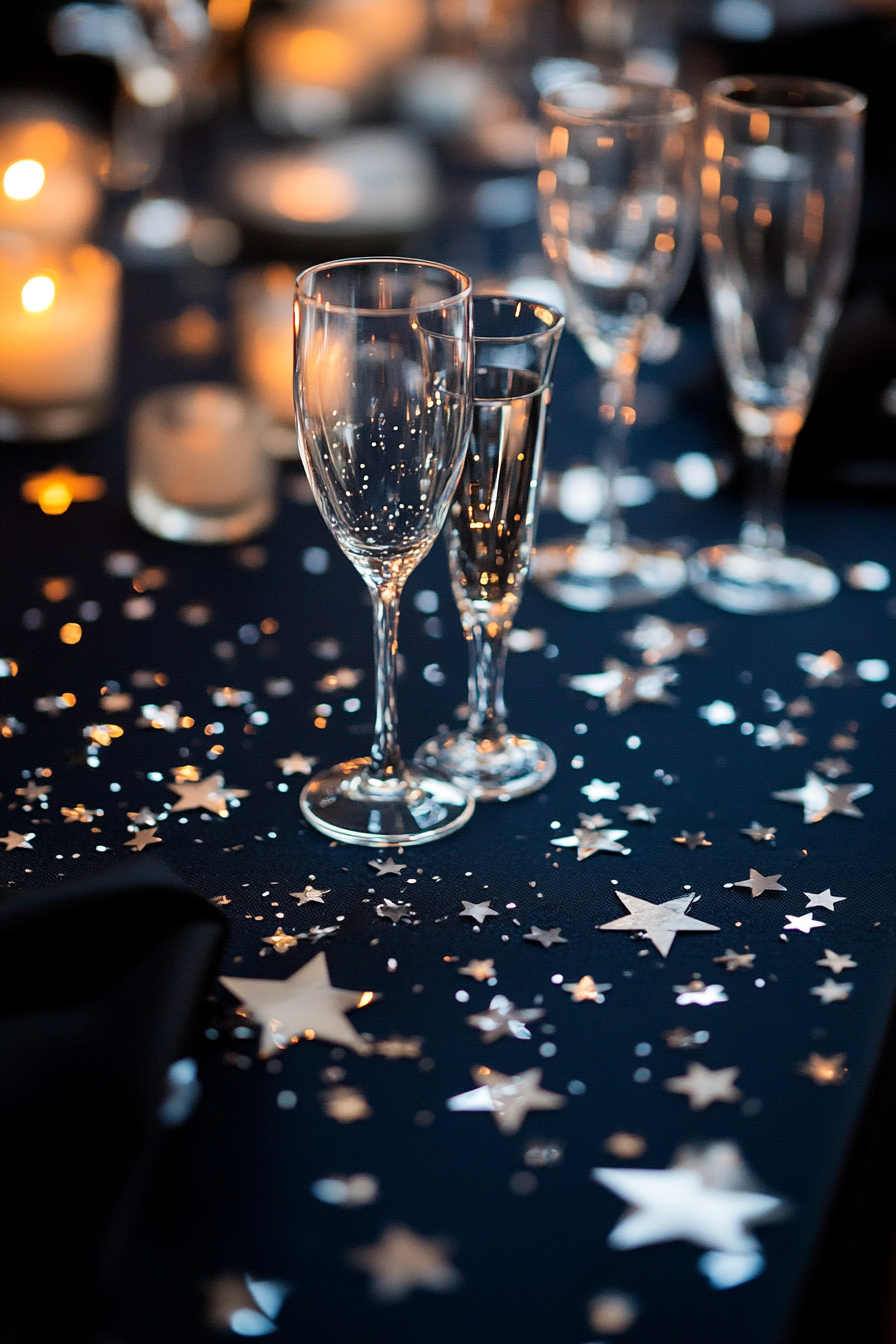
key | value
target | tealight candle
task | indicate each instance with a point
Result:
(198, 468)
(49, 186)
(58, 328)
(264, 338)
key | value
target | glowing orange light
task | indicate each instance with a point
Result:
(228, 16)
(70, 700)
(714, 145)
(759, 125)
(269, 626)
(711, 181)
(55, 490)
(627, 414)
(70, 633)
(664, 242)
(559, 142)
(366, 997)
(762, 216)
(320, 56)
(320, 723)
(313, 194)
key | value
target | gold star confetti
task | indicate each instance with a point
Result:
(733, 961)
(832, 991)
(599, 789)
(587, 841)
(306, 1004)
(504, 1019)
(13, 840)
(819, 799)
(822, 898)
(209, 793)
(478, 970)
(693, 839)
(509, 1097)
(595, 821)
(623, 1144)
(310, 893)
(143, 838)
(704, 996)
(659, 640)
(399, 1047)
(144, 818)
(679, 1038)
(661, 922)
(186, 772)
(703, 1086)
(838, 962)
(546, 937)
(620, 686)
(345, 1104)
(478, 912)
(802, 923)
(824, 1069)
(585, 990)
(385, 866)
(394, 910)
(280, 941)
(757, 884)
(833, 766)
(638, 812)
(757, 832)
(80, 813)
(297, 764)
(401, 1261)
(34, 789)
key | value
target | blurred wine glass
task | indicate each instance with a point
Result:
(383, 408)
(781, 177)
(618, 210)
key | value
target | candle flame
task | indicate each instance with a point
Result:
(38, 294)
(55, 490)
(23, 179)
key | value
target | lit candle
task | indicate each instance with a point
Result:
(198, 468)
(264, 336)
(49, 185)
(58, 327)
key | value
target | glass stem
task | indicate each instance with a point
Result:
(617, 411)
(767, 459)
(488, 660)
(385, 752)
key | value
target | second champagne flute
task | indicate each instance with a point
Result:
(383, 410)
(489, 534)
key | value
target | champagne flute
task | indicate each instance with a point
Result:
(489, 534)
(618, 210)
(781, 187)
(383, 410)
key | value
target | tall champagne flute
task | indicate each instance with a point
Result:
(383, 410)
(618, 214)
(781, 186)
(489, 533)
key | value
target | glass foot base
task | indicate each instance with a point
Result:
(751, 581)
(413, 809)
(179, 524)
(586, 577)
(489, 771)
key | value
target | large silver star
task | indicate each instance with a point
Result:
(306, 1004)
(14, 840)
(703, 1086)
(394, 910)
(832, 990)
(546, 937)
(818, 799)
(803, 923)
(620, 686)
(757, 884)
(509, 1097)
(822, 898)
(209, 793)
(677, 1204)
(659, 922)
(479, 912)
(401, 1261)
(504, 1019)
(838, 962)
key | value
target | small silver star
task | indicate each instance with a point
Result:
(588, 841)
(693, 839)
(598, 790)
(757, 832)
(594, 821)
(297, 764)
(638, 812)
(385, 866)
(316, 933)
(586, 990)
(145, 817)
(660, 922)
(757, 884)
(310, 893)
(819, 799)
(659, 640)
(822, 898)
(479, 912)
(838, 962)
(546, 937)
(394, 910)
(504, 1019)
(703, 1086)
(702, 995)
(832, 991)
(734, 960)
(803, 923)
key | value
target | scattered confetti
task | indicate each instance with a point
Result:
(545, 937)
(504, 1019)
(621, 686)
(704, 996)
(586, 990)
(703, 1086)
(143, 838)
(280, 941)
(394, 910)
(309, 893)
(802, 923)
(693, 839)
(837, 962)
(479, 970)
(638, 812)
(659, 640)
(385, 866)
(733, 961)
(13, 840)
(824, 1069)
(401, 1261)
(756, 884)
(832, 991)
(824, 899)
(296, 764)
(306, 1004)
(479, 912)
(508, 1097)
(209, 793)
(757, 832)
(598, 790)
(660, 923)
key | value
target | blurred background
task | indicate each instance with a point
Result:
(239, 140)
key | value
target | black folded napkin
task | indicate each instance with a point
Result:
(100, 981)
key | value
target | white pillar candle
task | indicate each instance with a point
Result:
(264, 338)
(49, 187)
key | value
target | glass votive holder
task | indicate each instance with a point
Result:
(263, 322)
(198, 470)
(58, 339)
(49, 177)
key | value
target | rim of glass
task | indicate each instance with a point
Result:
(465, 291)
(848, 100)
(556, 325)
(588, 116)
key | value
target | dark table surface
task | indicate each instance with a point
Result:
(233, 1192)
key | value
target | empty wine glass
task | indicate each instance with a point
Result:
(383, 408)
(781, 186)
(489, 534)
(618, 211)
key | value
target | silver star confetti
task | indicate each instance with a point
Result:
(838, 962)
(585, 990)
(310, 893)
(757, 832)
(394, 910)
(823, 899)
(703, 1086)
(508, 1097)
(481, 911)
(704, 996)
(832, 991)
(297, 764)
(756, 884)
(304, 1005)
(733, 961)
(818, 799)
(401, 1261)
(661, 922)
(802, 923)
(598, 790)
(385, 866)
(638, 812)
(659, 640)
(588, 841)
(620, 686)
(14, 840)
(693, 839)
(504, 1019)
(546, 937)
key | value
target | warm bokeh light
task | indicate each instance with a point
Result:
(55, 490)
(23, 179)
(313, 194)
(714, 145)
(228, 16)
(38, 294)
(70, 632)
(320, 56)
